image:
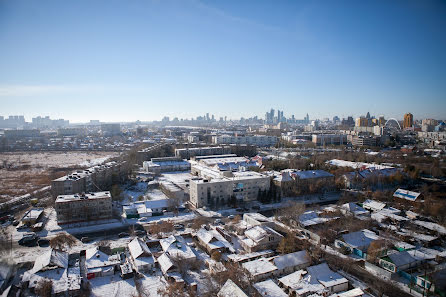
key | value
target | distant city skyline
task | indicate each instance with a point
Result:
(143, 60)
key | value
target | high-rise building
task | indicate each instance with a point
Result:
(408, 120)
(362, 122)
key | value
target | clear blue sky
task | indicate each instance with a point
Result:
(129, 60)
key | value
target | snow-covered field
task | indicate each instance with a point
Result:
(24, 172)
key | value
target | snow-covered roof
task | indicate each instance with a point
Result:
(356, 292)
(242, 257)
(165, 263)
(326, 276)
(259, 266)
(310, 218)
(138, 248)
(354, 208)
(402, 258)
(50, 259)
(360, 239)
(269, 288)
(308, 174)
(431, 226)
(96, 258)
(175, 246)
(405, 194)
(292, 259)
(140, 252)
(205, 235)
(373, 205)
(257, 233)
(293, 280)
(230, 289)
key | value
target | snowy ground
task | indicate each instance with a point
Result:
(23, 172)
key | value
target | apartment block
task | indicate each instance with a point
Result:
(244, 186)
(258, 140)
(83, 207)
(188, 153)
(96, 178)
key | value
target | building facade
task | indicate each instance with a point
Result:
(83, 207)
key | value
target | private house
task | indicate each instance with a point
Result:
(210, 241)
(98, 263)
(260, 269)
(357, 242)
(230, 289)
(260, 238)
(373, 205)
(269, 288)
(398, 262)
(141, 256)
(354, 209)
(318, 279)
(53, 265)
(291, 262)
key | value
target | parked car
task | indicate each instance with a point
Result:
(15, 223)
(43, 242)
(178, 226)
(123, 234)
(231, 217)
(85, 239)
(143, 219)
(29, 239)
(140, 232)
(22, 227)
(256, 207)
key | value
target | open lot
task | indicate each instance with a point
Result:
(24, 172)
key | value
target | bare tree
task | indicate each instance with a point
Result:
(62, 241)
(44, 288)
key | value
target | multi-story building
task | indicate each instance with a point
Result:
(324, 139)
(408, 120)
(83, 207)
(258, 140)
(362, 140)
(187, 153)
(111, 129)
(96, 178)
(167, 164)
(244, 186)
(362, 122)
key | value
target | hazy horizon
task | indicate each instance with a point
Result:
(143, 60)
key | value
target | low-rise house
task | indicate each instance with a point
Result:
(356, 292)
(143, 260)
(269, 288)
(311, 218)
(98, 263)
(357, 242)
(291, 262)
(242, 258)
(230, 289)
(373, 205)
(332, 281)
(147, 208)
(260, 269)
(405, 194)
(210, 241)
(176, 247)
(257, 219)
(318, 279)
(53, 265)
(399, 261)
(260, 238)
(354, 209)
(167, 266)
(32, 216)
